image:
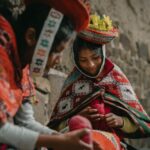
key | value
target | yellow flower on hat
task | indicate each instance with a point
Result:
(103, 23)
(108, 22)
(94, 21)
(100, 30)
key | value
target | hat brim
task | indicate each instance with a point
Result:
(98, 37)
(104, 138)
(76, 10)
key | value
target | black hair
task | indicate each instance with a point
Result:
(5, 11)
(79, 43)
(34, 16)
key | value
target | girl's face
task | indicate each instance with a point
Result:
(56, 56)
(89, 61)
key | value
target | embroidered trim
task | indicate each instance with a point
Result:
(45, 42)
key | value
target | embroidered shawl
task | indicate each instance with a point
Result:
(79, 91)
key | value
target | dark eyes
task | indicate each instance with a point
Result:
(96, 57)
(92, 58)
(82, 60)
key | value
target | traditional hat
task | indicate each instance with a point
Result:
(105, 139)
(76, 10)
(100, 30)
(72, 9)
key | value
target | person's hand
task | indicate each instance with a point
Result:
(91, 114)
(113, 120)
(73, 141)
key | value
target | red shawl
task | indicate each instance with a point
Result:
(13, 88)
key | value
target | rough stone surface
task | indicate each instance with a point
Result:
(56, 80)
(142, 50)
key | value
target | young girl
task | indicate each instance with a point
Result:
(98, 90)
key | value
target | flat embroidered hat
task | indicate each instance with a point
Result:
(100, 30)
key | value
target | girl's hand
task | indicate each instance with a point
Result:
(91, 114)
(69, 141)
(113, 120)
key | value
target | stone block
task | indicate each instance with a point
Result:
(126, 42)
(56, 80)
(43, 109)
(143, 50)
